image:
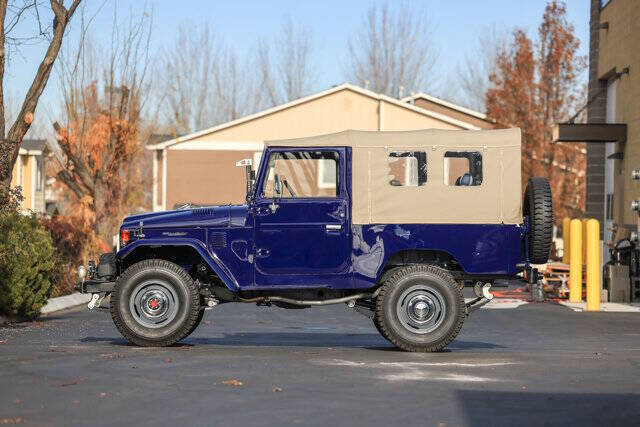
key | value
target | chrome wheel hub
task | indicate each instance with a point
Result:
(153, 303)
(421, 309)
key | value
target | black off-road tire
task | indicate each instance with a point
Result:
(187, 304)
(383, 279)
(538, 206)
(197, 323)
(387, 317)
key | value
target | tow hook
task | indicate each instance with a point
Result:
(96, 300)
(483, 296)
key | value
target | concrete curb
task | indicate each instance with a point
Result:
(53, 305)
(67, 301)
(611, 307)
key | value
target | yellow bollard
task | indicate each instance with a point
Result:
(566, 240)
(593, 265)
(575, 262)
(584, 240)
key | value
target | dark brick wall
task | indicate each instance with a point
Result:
(596, 113)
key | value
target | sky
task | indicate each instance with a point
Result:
(457, 24)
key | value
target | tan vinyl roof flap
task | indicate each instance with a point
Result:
(376, 201)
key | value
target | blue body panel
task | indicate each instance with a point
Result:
(251, 247)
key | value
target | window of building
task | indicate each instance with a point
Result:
(302, 174)
(407, 168)
(603, 3)
(463, 168)
(39, 173)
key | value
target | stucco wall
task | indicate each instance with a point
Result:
(619, 47)
(398, 118)
(205, 177)
(333, 113)
(437, 108)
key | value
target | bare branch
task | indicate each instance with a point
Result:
(393, 54)
(11, 144)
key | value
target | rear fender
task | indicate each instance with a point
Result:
(210, 258)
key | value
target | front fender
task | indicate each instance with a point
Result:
(212, 260)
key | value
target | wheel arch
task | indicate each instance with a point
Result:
(183, 252)
(437, 257)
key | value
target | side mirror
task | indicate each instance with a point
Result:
(277, 186)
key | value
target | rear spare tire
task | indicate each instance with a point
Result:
(538, 206)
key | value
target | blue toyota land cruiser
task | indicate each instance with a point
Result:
(392, 224)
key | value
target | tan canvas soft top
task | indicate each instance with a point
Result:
(375, 201)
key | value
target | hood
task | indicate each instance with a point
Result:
(210, 216)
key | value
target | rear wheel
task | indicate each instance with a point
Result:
(420, 308)
(155, 303)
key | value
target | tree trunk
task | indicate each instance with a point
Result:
(10, 145)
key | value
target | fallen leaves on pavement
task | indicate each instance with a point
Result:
(7, 421)
(74, 382)
(276, 389)
(233, 382)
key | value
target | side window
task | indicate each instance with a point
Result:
(463, 168)
(302, 174)
(407, 168)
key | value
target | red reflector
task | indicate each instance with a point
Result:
(124, 237)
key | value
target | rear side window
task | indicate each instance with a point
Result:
(407, 168)
(463, 168)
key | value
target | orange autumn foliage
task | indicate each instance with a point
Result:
(534, 86)
(98, 173)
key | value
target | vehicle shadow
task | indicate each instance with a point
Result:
(371, 341)
(507, 408)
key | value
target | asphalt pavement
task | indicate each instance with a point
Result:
(537, 364)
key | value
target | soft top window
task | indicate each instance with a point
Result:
(407, 168)
(463, 168)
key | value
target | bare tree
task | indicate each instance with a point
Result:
(11, 13)
(286, 70)
(188, 92)
(473, 76)
(393, 54)
(204, 82)
(101, 131)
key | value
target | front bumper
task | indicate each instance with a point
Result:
(95, 286)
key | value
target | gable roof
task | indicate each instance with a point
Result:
(444, 103)
(33, 146)
(335, 89)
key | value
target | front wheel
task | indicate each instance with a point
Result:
(155, 303)
(420, 308)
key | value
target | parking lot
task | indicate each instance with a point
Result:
(531, 365)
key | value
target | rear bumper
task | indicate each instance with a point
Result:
(94, 286)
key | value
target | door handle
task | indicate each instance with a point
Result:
(333, 227)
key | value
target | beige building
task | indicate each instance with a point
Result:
(612, 131)
(29, 173)
(199, 168)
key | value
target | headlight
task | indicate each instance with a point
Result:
(82, 272)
